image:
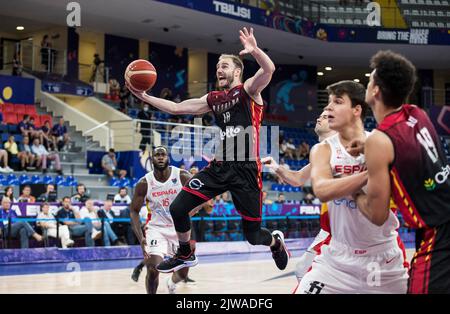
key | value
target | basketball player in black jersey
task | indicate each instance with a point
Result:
(237, 167)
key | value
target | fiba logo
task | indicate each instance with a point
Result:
(74, 17)
(196, 184)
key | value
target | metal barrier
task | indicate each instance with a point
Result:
(36, 58)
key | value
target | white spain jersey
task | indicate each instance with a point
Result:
(348, 225)
(159, 197)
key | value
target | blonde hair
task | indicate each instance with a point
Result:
(236, 61)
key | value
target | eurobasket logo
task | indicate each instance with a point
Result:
(429, 184)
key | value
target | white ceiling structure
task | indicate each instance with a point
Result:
(197, 30)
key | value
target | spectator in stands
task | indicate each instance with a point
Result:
(122, 228)
(81, 195)
(20, 229)
(24, 126)
(193, 170)
(144, 127)
(265, 200)
(281, 199)
(291, 147)
(4, 158)
(90, 211)
(17, 65)
(60, 135)
(50, 226)
(46, 53)
(122, 196)
(34, 131)
(96, 63)
(13, 152)
(31, 157)
(109, 165)
(302, 152)
(285, 151)
(41, 152)
(310, 199)
(47, 136)
(9, 192)
(77, 226)
(114, 89)
(26, 196)
(48, 195)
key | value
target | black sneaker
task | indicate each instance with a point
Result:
(177, 262)
(188, 281)
(136, 273)
(281, 255)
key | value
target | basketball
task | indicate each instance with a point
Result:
(141, 75)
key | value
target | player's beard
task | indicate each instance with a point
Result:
(230, 80)
(161, 168)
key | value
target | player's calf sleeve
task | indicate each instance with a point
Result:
(180, 216)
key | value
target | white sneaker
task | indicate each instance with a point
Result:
(70, 243)
(3, 170)
(9, 170)
(96, 234)
(171, 286)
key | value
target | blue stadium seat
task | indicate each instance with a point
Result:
(47, 179)
(134, 181)
(35, 179)
(114, 182)
(24, 179)
(59, 180)
(125, 182)
(12, 180)
(12, 128)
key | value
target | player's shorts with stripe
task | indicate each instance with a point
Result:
(161, 240)
(430, 266)
(241, 178)
(341, 269)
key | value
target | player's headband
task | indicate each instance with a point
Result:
(157, 148)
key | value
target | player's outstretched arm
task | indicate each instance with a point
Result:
(135, 207)
(191, 106)
(294, 178)
(326, 187)
(379, 153)
(254, 85)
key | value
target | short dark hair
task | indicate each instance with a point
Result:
(111, 150)
(355, 91)
(395, 75)
(25, 116)
(44, 204)
(123, 188)
(65, 198)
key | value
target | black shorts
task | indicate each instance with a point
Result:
(430, 266)
(241, 178)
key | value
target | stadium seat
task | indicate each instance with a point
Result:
(24, 179)
(59, 180)
(8, 108)
(30, 109)
(47, 180)
(45, 117)
(4, 137)
(10, 118)
(114, 182)
(13, 129)
(35, 179)
(19, 108)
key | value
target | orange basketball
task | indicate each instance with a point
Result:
(141, 75)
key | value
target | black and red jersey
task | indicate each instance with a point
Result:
(420, 175)
(239, 117)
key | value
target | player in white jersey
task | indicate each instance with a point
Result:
(299, 178)
(158, 189)
(361, 257)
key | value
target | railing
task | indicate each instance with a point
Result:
(36, 58)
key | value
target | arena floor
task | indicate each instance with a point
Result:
(223, 274)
